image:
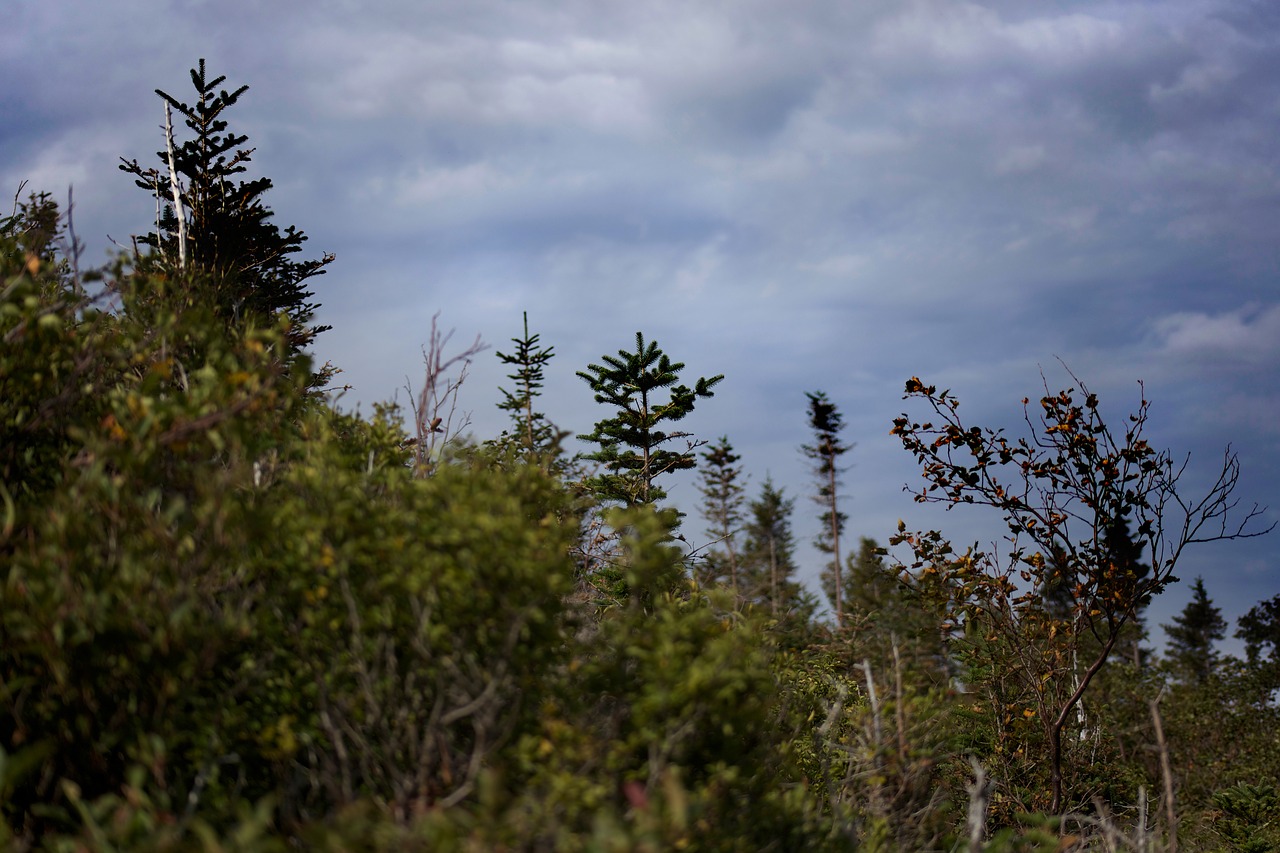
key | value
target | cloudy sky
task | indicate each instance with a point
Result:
(803, 195)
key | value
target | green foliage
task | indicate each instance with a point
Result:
(1248, 818)
(412, 616)
(237, 618)
(1260, 630)
(215, 583)
(123, 586)
(769, 562)
(887, 618)
(631, 441)
(1034, 833)
(721, 485)
(1221, 732)
(246, 260)
(660, 735)
(234, 616)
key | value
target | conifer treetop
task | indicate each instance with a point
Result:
(245, 258)
(631, 441)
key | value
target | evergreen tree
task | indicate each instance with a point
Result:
(768, 553)
(632, 441)
(826, 422)
(1260, 630)
(1125, 557)
(531, 433)
(223, 228)
(1193, 633)
(1119, 556)
(869, 583)
(721, 485)
(885, 614)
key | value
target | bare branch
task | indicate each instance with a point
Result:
(435, 406)
(179, 209)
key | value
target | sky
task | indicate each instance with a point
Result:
(802, 196)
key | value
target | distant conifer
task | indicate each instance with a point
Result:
(827, 423)
(1193, 633)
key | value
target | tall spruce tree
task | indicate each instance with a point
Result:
(824, 455)
(221, 227)
(721, 485)
(632, 441)
(1192, 635)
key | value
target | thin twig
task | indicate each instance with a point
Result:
(1166, 774)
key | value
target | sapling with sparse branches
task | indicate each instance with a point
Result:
(1062, 489)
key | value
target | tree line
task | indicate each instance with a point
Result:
(236, 617)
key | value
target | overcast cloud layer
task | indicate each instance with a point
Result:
(802, 196)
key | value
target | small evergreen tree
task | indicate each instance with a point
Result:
(531, 433)
(632, 441)
(1260, 630)
(869, 583)
(826, 422)
(768, 553)
(722, 490)
(223, 227)
(1193, 633)
(887, 617)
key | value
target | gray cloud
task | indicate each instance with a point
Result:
(809, 195)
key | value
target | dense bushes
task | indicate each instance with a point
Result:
(235, 617)
(216, 580)
(234, 612)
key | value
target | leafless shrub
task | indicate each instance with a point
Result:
(436, 418)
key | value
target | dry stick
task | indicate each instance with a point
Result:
(833, 714)
(899, 711)
(875, 704)
(178, 208)
(835, 551)
(1142, 819)
(155, 185)
(1166, 775)
(773, 573)
(978, 793)
(75, 248)
(433, 424)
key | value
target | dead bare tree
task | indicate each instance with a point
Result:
(436, 418)
(179, 209)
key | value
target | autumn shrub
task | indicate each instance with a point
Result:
(220, 592)
(122, 587)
